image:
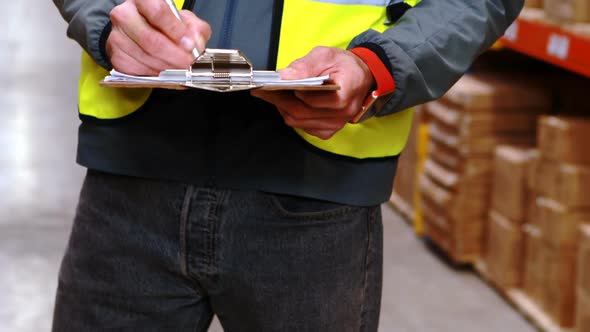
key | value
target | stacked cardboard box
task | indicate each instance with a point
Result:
(559, 227)
(404, 186)
(509, 203)
(583, 304)
(567, 11)
(561, 181)
(533, 277)
(480, 112)
(533, 3)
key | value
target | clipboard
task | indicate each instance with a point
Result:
(220, 70)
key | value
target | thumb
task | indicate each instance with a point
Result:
(291, 73)
(300, 68)
(319, 61)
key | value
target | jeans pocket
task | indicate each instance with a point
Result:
(295, 207)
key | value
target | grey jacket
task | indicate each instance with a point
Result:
(428, 50)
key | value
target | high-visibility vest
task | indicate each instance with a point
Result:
(334, 24)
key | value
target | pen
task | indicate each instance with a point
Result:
(174, 10)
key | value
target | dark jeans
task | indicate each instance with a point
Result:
(146, 255)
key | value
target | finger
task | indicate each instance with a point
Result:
(121, 42)
(336, 101)
(297, 109)
(150, 40)
(124, 63)
(322, 99)
(281, 99)
(319, 124)
(287, 102)
(322, 134)
(197, 29)
(158, 14)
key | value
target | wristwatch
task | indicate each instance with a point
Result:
(385, 84)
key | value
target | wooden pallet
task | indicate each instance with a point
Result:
(441, 242)
(522, 303)
(452, 261)
(532, 311)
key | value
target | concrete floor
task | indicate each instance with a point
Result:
(39, 183)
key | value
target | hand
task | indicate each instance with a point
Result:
(321, 113)
(147, 38)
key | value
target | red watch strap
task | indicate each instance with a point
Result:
(383, 78)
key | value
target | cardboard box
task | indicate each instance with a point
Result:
(437, 235)
(468, 239)
(446, 156)
(405, 179)
(436, 215)
(461, 245)
(566, 183)
(440, 211)
(560, 285)
(450, 159)
(457, 205)
(531, 210)
(534, 274)
(472, 123)
(533, 3)
(504, 251)
(476, 182)
(454, 220)
(583, 312)
(509, 188)
(566, 11)
(560, 139)
(560, 224)
(436, 203)
(531, 176)
(475, 146)
(494, 91)
(584, 259)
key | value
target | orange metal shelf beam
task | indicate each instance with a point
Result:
(549, 43)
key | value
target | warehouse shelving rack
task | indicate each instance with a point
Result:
(566, 46)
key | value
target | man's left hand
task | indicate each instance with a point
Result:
(323, 113)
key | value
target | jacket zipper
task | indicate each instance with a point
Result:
(228, 20)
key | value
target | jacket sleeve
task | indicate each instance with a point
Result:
(89, 24)
(434, 43)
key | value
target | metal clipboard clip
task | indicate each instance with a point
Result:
(221, 70)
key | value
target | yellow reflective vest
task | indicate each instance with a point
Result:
(381, 136)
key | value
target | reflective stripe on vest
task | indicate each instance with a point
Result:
(376, 137)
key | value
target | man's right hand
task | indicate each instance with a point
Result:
(147, 38)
